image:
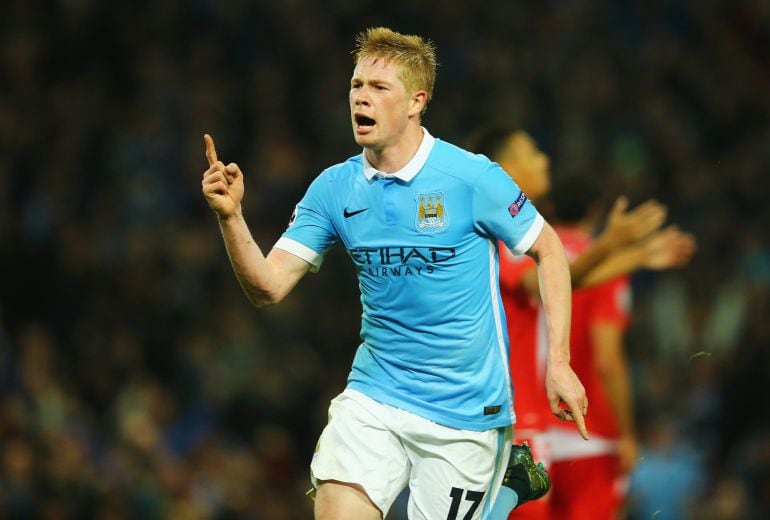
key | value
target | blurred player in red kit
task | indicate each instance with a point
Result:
(584, 473)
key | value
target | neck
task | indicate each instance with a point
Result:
(391, 158)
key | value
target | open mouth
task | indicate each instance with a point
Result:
(364, 121)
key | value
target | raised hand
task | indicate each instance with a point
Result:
(667, 249)
(626, 227)
(222, 185)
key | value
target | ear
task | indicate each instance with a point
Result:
(419, 99)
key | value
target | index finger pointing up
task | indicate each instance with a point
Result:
(211, 152)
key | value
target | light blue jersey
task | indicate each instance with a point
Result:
(424, 245)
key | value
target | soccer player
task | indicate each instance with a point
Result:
(591, 262)
(587, 474)
(591, 476)
(428, 399)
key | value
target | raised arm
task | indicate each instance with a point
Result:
(562, 385)
(623, 228)
(669, 248)
(265, 280)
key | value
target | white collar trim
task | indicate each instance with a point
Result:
(411, 168)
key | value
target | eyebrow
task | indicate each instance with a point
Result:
(371, 81)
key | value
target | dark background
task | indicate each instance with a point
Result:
(136, 379)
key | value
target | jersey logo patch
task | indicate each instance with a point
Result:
(348, 214)
(491, 410)
(514, 208)
(432, 216)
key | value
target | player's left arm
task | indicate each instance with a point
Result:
(501, 209)
(562, 384)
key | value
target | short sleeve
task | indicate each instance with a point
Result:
(503, 211)
(513, 268)
(311, 232)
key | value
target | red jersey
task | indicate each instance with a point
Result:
(607, 303)
(521, 314)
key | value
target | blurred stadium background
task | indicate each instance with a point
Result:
(136, 380)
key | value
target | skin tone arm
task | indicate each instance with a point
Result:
(612, 367)
(623, 228)
(562, 385)
(666, 249)
(265, 280)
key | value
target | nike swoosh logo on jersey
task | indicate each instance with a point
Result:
(348, 214)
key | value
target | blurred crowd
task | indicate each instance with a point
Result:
(137, 382)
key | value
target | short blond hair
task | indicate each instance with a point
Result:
(415, 56)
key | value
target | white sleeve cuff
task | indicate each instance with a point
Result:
(530, 236)
(302, 251)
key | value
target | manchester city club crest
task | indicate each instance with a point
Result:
(432, 216)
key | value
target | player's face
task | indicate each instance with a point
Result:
(380, 106)
(528, 165)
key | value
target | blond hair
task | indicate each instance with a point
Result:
(415, 56)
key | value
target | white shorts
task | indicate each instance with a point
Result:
(450, 472)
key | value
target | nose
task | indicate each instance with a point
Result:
(360, 97)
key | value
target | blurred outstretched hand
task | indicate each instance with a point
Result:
(626, 226)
